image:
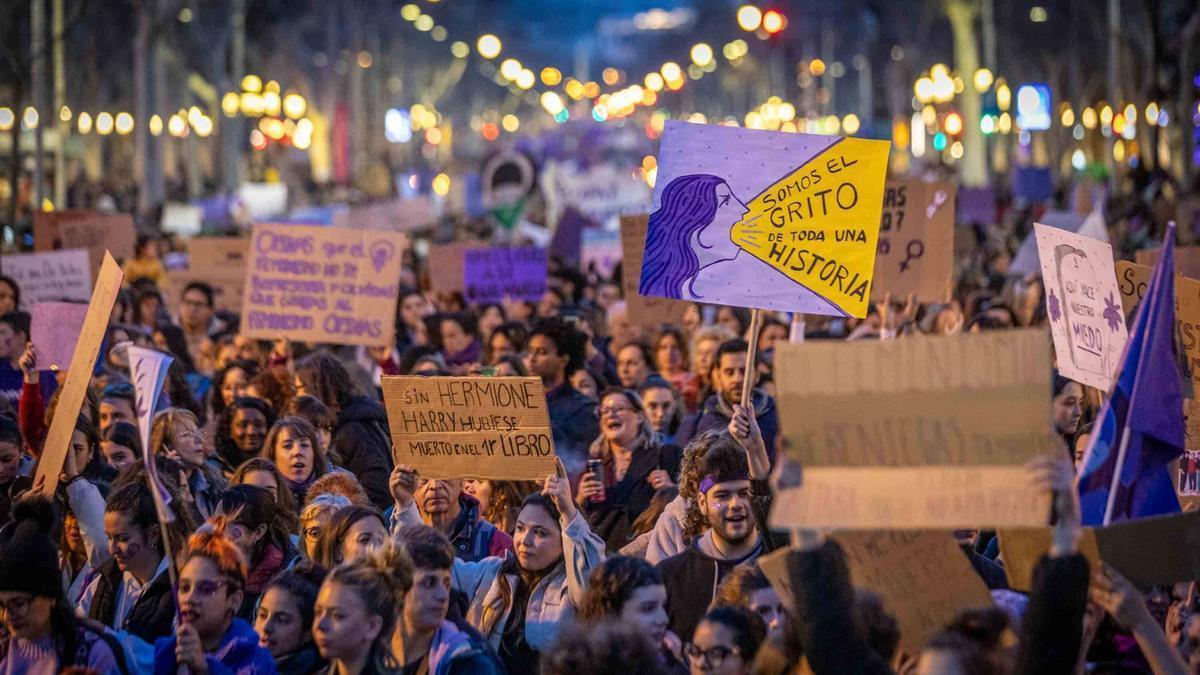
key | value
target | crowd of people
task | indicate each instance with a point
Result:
(299, 546)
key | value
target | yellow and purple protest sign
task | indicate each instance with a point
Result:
(763, 219)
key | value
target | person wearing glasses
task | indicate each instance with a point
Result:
(315, 517)
(43, 633)
(627, 467)
(176, 434)
(209, 637)
(725, 642)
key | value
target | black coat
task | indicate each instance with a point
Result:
(573, 424)
(710, 416)
(150, 617)
(624, 501)
(362, 440)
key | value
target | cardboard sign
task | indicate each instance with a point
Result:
(922, 577)
(1027, 263)
(54, 330)
(765, 219)
(1083, 304)
(398, 215)
(567, 242)
(218, 261)
(1148, 551)
(1187, 259)
(322, 284)
(491, 274)
(1188, 484)
(916, 241)
(470, 427)
(1133, 279)
(915, 433)
(50, 276)
(183, 219)
(647, 311)
(445, 265)
(100, 234)
(79, 374)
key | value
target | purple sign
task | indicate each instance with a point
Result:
(491, 274)
(54, 330)
(1033, 184)
(976, 205)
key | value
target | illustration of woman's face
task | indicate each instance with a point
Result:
(714, 241)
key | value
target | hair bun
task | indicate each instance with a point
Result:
(35, 510)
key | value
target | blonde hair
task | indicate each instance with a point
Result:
(164, 425)
(381, 579)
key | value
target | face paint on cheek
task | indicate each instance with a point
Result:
(132, 550)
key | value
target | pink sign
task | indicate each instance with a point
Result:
(54, 331)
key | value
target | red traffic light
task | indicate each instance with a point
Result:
(773, 21)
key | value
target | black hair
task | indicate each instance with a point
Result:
(19, 321)
(513, 331)
(204, 288)
(134, 500)
(746, 626)
(252, 506)
(568, 341)
(733, 346)
(123, 433)
(217, 399)
(229, 452)
(177, 345)
(16, 288)
(724, 461)
(428, 548)
(10, 431)
(303, 582)
(647, 354)
(612, 584)
(414, 354)
(1058, 382)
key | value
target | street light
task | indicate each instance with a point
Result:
(773, 22)
(488, 46)
(749, 18)
(702, 54)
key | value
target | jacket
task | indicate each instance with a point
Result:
(238, 654)
(150, 618)
(573, 425)
(474, 538)
(691, 579)
(361, 439)
(304, 661)
(458, 652)
(552, 603)
(625, 500)
(713, 415)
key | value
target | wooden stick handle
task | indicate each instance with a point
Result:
(752, 357)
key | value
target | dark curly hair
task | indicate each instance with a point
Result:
(612, 584)
(608, 648)
(227, 450)
(712, 453)
(975, 638)
(567, 340)
(326, 378)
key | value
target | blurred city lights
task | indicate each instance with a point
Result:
(749, 18)
(488, 46)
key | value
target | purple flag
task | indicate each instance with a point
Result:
(1140, 428)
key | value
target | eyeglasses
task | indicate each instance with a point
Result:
(17, 605)
(312, 534)
(601, 411)
(713, 657)
(204, 589)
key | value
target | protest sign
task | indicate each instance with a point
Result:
(951, 419)
(263, 200)
(645, 310)
(1187, 259)
(922, 576)
(1188, 484)
(445, 265)
(567, 242)
(1027, 263)
(80, 228)
(1033, 184)
(218, 261)
(765, 219)
(916, 241)
(50, 276)
(491, 274)
(54, 330)
(322, 284)
(398, 215)
(1132, 280)
(1152, 551)
(470, 427)
(601, 192)
(600, 251)
(1084, 305)
(79, 374)
(183, 219)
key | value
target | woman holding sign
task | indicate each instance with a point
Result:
(629, 467)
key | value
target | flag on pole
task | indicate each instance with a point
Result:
(1140, 427)
(149, 371)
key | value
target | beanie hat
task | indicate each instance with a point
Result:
(30, 561)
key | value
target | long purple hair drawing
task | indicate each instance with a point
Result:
(688, 204)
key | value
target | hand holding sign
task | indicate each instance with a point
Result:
(558, 488)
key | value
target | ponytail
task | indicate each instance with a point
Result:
(382, 579)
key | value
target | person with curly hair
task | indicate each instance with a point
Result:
(632, 590)
(210, 638)
(611, 647)
(241, 431)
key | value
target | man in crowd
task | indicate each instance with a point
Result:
(444, 506)
(728, 375)
(555, 352)
(197, 319)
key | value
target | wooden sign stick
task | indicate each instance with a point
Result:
(752, 358)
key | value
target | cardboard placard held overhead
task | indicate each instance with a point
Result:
(1187, 259)
(397, 215)
(1084, 305)
(218, 261)
(765, 219)
(54, 330)
(322, 284)
(645, 310)
(50, 276)
(100, 234)
(1148, 551)
(1132, 281)
(470, 427)
(928, 433)
(916, 241)
(492, 274)
(445, 264)
(79, 374)
(922, 577)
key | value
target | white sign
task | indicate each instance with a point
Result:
(50, 276)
